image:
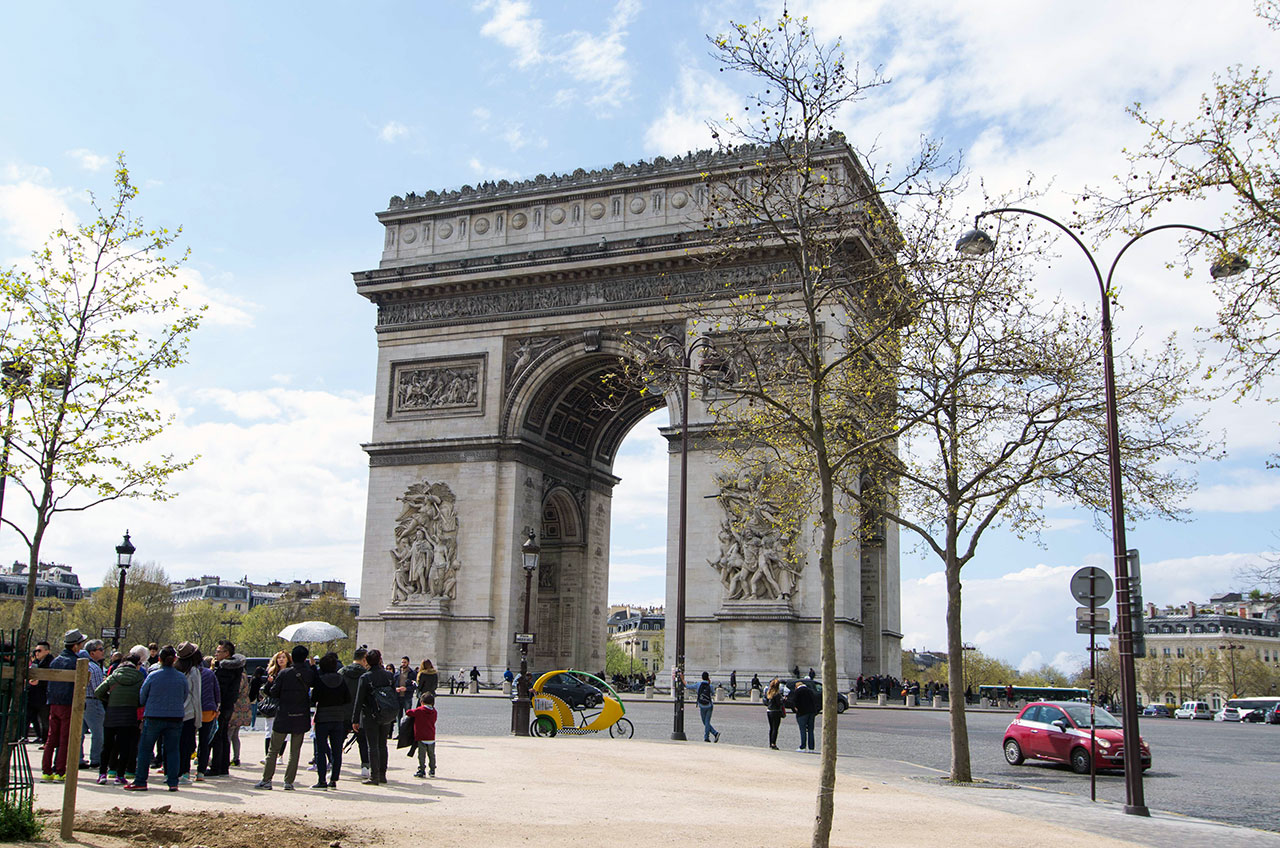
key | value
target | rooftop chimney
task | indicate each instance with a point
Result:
(1191, 609)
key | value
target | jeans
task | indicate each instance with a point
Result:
(707, 730)
(329, 738)
(55, 744)
(427, 751)
(805, 723)
(277, 748)
(205, 745)
(169, 732)
(94, 715)
(187, 745)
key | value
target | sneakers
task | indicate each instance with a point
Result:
(102, 780)
(431, 773)
(321, 786)
(420, 773)
(185, 779)
(288, 787)
(716, 733)
(59, 778)
(800, 750)
(136, 787)
(173, 789)
(199, 777)
(262, 784)
(364, 771)
(47, 777)
(120, 781)
(333, 784)
(111, 773)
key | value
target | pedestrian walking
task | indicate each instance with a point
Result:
(119, 690)
(163, 698)
(94, 710)
(733, 685)
(373, 711)
(332, 700)
(774, 710)
(424, 734)
(54, 762)
(805, 702)
(705, 706)
(292, 690)
(278, 663)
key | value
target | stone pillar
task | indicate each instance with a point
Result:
(506, 687)
(755, 696)
(882, 699)
(937, 702)
(474, 687)
(648, 693)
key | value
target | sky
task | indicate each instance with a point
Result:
(272, 133)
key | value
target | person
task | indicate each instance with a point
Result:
(755, 683)
(94, 710)
(255, 692)
(424, 733)
(292, 690)
(163, 698)
(795, 670)
(153, 656)
(210, 707)
(332, 700)
(474, 675)
(278, 663)
(366, 716)
(54, 762)
(38, 692)
(428, 678)
(509, 677)
(806, 710)
(120, 718)
(228, 668)
(189, 662)
(811, 673)
(774, 710)
(406, 683)
(733, 685)
(351, 675)
(705, 706)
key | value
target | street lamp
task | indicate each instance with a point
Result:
(48, 610)
(977, 243)
(124, 558)
(631, 652)
(964, 668)
(1232, 647)
(529, 553)
(230, 623)
(714, 367)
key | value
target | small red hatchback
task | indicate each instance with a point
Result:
(1059, 731)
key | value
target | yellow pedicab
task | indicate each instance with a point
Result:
(553, 713)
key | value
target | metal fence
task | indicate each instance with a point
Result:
(17, 789)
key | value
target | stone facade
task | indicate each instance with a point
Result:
(501, 309)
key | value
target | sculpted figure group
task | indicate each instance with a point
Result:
(426, 551)
(755, 561)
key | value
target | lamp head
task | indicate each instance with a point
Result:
(124, 552)
(975, 243)
(1228, 265)
(530, 552)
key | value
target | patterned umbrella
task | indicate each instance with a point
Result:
(312, 631)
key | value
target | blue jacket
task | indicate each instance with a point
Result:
(60, 693)
(164, 693)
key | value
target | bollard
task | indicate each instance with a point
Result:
(755, 696)
(721, 694)
(648, 692)
(474, 687)
(937, 702)
(986, 703)
(506, 687)
(882, 699)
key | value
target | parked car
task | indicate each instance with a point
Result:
(1158, 710)
(1058, 731)
(842, 701)
(574, 691)
(1227, 714)
(1273, 715)
(1193, 710)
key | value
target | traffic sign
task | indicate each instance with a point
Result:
(526, 638)
(1097, 614)
(1091, 586)
(1096, 626)
(110, 633)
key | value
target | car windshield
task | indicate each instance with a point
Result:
(1080, 715)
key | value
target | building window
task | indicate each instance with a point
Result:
(1180, 653)
(1166, 652)
(644, 645)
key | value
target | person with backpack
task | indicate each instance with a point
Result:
(705, 706)
(424, 733)
(332, 700)
(292, 690)
(374, 710)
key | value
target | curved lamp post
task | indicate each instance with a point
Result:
(520, 707)
(124, 558)
(714, 367)
(976, 242)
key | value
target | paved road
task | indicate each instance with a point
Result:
(1213, 770)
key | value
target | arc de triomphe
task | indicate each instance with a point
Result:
(500, 309)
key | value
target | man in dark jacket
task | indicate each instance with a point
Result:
(38, 692)
(228, 667)
(292, 690)
(332, 700)
(406, 685)
(806, 709)
(367, 719)
(351, 675)
(54, 764)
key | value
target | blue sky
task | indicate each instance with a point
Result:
(273, 132)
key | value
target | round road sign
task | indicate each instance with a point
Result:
(1091, 585)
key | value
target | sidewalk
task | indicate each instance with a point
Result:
(572, 792)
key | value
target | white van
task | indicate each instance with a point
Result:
(1194, 709)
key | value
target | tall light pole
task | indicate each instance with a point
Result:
(48, 610)
(711, 365)
(230, 623)
(520, 707)
(1231, 648)
(124, 558)
(977, 243)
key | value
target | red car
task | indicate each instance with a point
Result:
(1059, 731)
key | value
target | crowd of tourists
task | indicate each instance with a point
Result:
(176, 711)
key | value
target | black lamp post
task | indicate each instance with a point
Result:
(124, 558)
(520, 707)
(48, 610)
(230, 623)
(712, 366)
(977, 243)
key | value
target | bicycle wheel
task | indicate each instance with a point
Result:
(622, 729)
(543, 726)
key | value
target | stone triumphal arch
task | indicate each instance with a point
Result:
(501, 308)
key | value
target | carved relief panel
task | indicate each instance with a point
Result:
(435, 388)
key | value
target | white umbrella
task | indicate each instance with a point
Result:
(312, 631)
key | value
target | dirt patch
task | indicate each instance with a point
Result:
(159, 826)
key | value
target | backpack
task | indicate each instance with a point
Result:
(385, 704)
(704, 694)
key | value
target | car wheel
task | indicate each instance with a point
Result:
(590, 701)
(841, 706)
(1080, 761)
(1012, 752)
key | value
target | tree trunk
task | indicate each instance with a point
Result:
(830, 685)
(33, 566)
(960, 767)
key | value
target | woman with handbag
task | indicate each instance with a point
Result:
(267, 705)
(292, 688)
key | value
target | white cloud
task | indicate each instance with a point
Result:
(513, 27)
(393, 131)
(1248, 490)
(30, 208)
(491, 172)
(698, 97)
(88, 160)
